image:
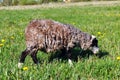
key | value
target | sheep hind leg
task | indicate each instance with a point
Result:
(22, 57)
(69, 57)
(63, 54)
(34, 56)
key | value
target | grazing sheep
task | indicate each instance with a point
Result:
(50, 36)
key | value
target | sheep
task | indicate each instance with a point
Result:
(50, 36)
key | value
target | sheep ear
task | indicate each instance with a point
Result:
(93, 37)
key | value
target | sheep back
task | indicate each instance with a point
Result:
(49, 35)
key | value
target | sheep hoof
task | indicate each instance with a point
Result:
(20, 65)
(70, 62)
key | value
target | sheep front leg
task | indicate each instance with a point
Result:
(22, 57)
(68, 53)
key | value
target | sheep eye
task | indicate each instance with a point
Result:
(94, 42)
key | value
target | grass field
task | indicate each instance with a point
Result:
(103, 22)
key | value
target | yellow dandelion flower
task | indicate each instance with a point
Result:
(73, 23)
(118, 58)
(21, 33)
(12, 37)
(3, 40)
(25, 68)
(1, 45)
(99, 33)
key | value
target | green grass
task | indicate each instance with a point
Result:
(91, 19)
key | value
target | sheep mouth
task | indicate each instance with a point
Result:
(95, 50)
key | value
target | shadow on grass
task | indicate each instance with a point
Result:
(77, 54)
